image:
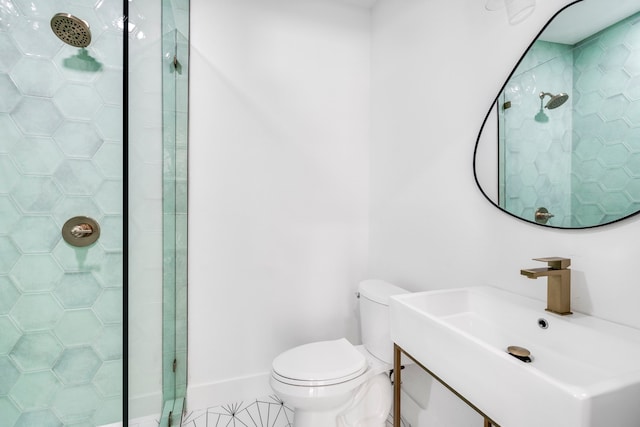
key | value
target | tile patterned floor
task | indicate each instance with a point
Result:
(264, 412)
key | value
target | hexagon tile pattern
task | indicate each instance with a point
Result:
(60, 345)
(596, 142)
(537, 170)
(612, 102)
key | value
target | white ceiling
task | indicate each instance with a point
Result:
(363, 3)
(586, 18)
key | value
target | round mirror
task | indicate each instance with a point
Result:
(560, 146)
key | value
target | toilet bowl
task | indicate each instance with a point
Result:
(334, 383)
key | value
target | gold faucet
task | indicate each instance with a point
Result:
(558, 283)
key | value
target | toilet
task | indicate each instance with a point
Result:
(336, 384)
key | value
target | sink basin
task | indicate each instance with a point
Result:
(584, 371)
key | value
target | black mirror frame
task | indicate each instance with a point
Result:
(484, 122)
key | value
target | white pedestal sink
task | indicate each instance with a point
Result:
(584, 371)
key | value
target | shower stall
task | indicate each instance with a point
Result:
(92, 211)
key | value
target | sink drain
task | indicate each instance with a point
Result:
(519, 353)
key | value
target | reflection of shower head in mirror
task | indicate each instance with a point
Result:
(555, 101)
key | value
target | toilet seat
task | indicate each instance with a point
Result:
(319, 364)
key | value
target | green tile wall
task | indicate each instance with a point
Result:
(60, 156)
(537, 167)
(606, 138)
(580, 162)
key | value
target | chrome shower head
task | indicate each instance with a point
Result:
(71, 30)
(555, 101)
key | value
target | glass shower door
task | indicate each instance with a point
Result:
(535, 142)
(175, 45)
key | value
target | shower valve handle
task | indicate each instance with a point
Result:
(81, 230)
(542, 215)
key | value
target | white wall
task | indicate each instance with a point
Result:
(430, 226)
(280, 222)
(437, 66)
(278, 185)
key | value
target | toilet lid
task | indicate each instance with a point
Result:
(320, 363)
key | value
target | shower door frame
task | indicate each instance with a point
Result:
(175, 72)
(125, 213)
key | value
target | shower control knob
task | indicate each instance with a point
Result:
(80, 231)
(542, 215)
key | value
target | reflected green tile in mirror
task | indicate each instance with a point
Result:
(577, 159)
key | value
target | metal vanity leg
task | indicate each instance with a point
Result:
(397, 368)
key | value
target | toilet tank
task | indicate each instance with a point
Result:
(374, 317)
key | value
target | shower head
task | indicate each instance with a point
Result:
(555, 101)
(71, 30)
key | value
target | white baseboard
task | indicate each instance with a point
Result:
(145, 405)
(148, 421)
(202, 396)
